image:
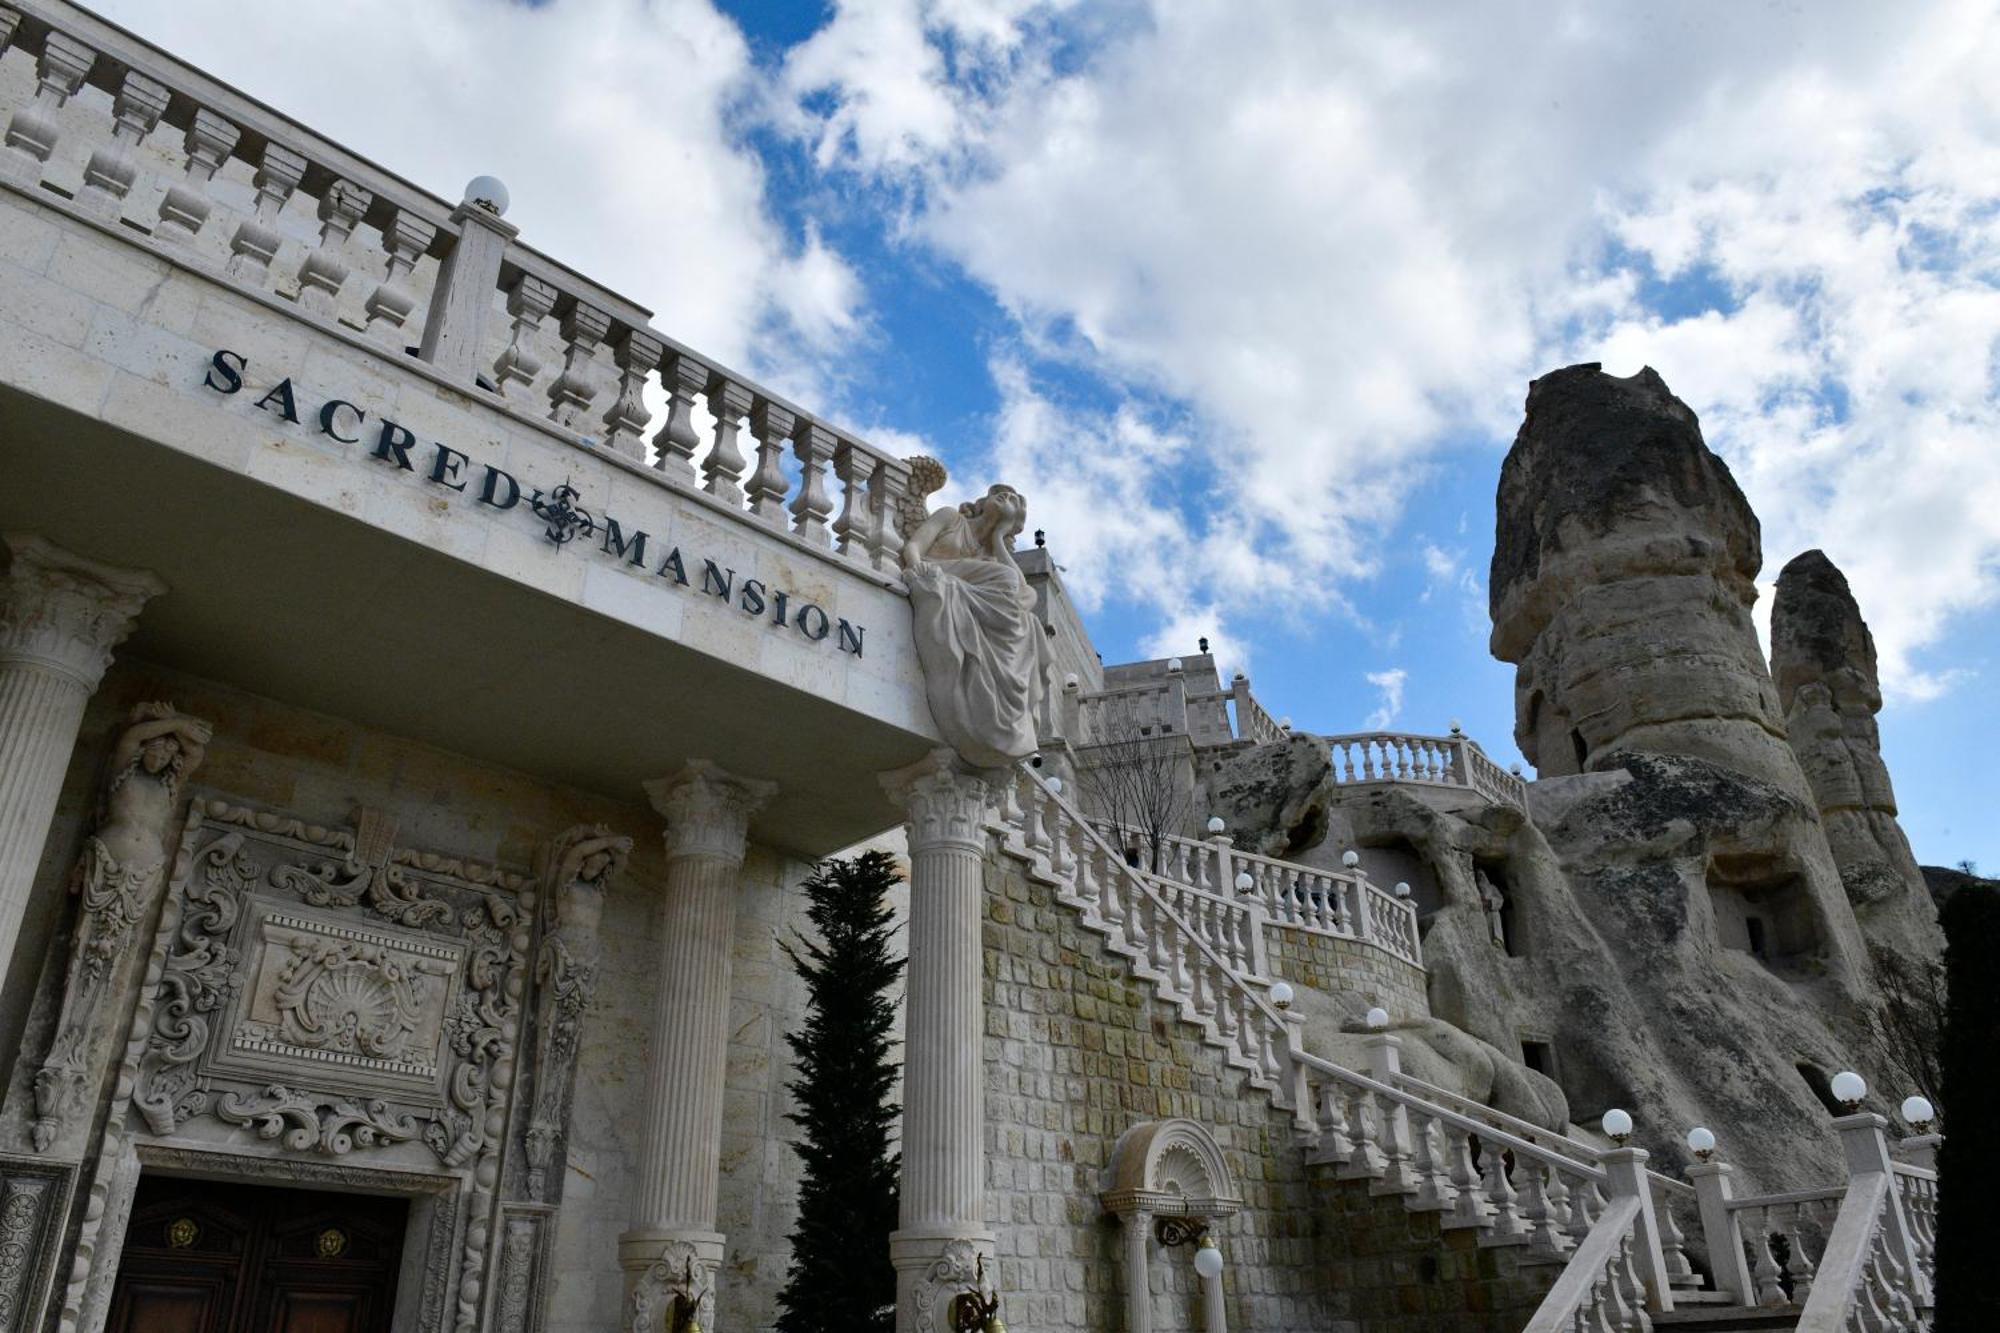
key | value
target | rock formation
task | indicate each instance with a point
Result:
(1624, 569)
(1823, 659)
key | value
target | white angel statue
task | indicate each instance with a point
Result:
(984, 650)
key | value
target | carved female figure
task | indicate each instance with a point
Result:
(983, 649)
(118, 877)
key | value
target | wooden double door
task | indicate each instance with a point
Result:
(206, 1257)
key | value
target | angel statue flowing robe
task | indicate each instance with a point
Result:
(980, 644)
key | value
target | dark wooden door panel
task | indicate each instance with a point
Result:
(206, 1257)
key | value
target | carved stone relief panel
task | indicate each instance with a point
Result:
(34, 1203)
(338, 997)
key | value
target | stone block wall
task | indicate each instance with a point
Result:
(1358, 974)
(1078, 1051)
(1394, 1271)
(320, 767)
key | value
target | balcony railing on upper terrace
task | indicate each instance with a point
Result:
(1436, 761)
(161, 155)
(1322, 902)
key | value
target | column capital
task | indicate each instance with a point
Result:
(63, 612)
(708, 810)
(944, 801)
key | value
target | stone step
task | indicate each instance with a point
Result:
(1729, 1318)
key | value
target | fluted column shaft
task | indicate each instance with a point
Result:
(943, 1199)
(60, 617)
(673, 1233)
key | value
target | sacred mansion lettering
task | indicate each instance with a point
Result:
(564, 520)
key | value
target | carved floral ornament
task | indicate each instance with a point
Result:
(337, 996)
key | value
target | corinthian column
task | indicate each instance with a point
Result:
(672, 1249)
(942, 1223)
(60, 617)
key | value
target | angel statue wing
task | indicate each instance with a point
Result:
(927, 475)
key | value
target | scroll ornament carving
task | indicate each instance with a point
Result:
(366, 875)
(984, 650)
(958, 1268)
(583, 862)
(944, 804)
(118, 880)
(677, 1273)
(517, 1263)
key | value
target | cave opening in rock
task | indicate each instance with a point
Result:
(1761, 908)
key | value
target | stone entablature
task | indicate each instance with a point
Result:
(158, 218)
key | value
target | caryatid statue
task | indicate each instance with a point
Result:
(984, 651)
(118, 878)
(582, 864)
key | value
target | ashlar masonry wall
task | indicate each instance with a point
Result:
(1077, 1052)
(1360, 974)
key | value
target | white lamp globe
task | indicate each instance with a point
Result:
(1919, 1112)
(1281, 994)
(1701, 1142)
(1284, 724)
(1617, 1125)
(488, 193)
(1350, 858)
(1243, 882)
(1215, 824)
(1174, 664)
(1070, 682)
(1055, 785)
(1376, 1019)
(1455, 728)
(1402, 889)
(1849, 1088)
(1208, 1259)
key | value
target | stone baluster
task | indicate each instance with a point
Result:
(772, 425)
(1334, 1144)
(1433, 1181)
(885, 494)
(1538, 1209)
(32, 133)
(529, 302)
(1672, 1242)
(60, 617)
(1385, 1066)
(1799, 1267)
(722, 469)
(813, 446)
(584, 326)
(1468, 1206)
(943, 1199)
(674, 445)
(1501, 1194)
(322, 273)
(1765, 1272)
(636, 354)
(1867, 1150)
(1580, 1196)
(679, 1139)
(111, 172)
(257, 238)
(855, 467)
(185, 206)
(405, 237)
(1366, 1129)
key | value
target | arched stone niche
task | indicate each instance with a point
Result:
(1167, 1184)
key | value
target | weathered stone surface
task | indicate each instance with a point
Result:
(1823, 659)
(1273, 797)
(1624, 569)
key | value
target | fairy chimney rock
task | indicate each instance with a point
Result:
(1624, 568)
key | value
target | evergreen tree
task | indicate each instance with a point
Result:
(841, 1280)
(1969, 1162)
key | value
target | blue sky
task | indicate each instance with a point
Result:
(1245, 298)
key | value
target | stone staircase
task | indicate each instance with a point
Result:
(1823, 1261)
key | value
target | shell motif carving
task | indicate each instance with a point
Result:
(345, 995)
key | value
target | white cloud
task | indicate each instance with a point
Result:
(1343, 237)
(1389, 687)
(611, 121)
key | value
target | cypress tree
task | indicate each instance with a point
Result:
(1968, 1299)
(841, 1280)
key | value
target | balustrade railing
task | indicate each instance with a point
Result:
(1325, 902)
(258, 201)
(1439, 761)
(1198, 951)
